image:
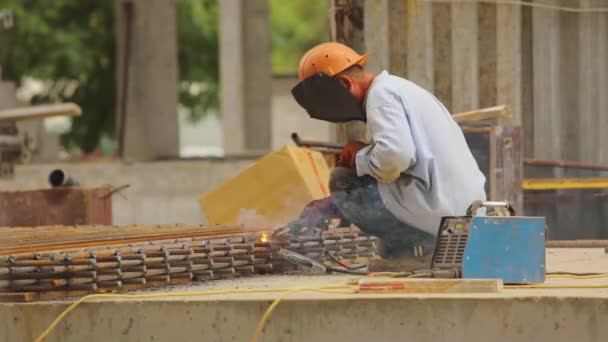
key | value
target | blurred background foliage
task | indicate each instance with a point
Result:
(69, 46)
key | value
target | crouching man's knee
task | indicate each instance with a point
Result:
(343, 179)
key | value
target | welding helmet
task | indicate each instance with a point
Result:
(322, 95)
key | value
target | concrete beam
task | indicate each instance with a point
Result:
(245, 75)
(546, 65)
(509, 59)
(147, 75)
(465, 71)
(508, 316)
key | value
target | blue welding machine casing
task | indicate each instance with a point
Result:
(510, 248)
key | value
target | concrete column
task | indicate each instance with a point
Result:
(465, 71)
(527, 81)
(377, 35)
(419, 44)
(8, 95)
(44, 146)
(570, 87)
(353, 35)
(442, 54)
(147, 76)
(386, 37)
(509, 59)
(602, 89)
(7, 100)
(588, 85)
(398, 36)
(546, 64)
(245, 75)
(231, 75)
(487, 55)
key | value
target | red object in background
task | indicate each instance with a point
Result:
(349, 154)
(81, 155)
(59, 206)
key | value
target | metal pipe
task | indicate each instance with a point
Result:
(335, 147)
(40, 112)
(58, 178)
(533, 198)
(565, 164)
(576, 244)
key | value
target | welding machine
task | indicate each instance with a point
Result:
(491, 243)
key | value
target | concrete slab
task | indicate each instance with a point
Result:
(514, 314)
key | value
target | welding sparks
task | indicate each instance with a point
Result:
(264, 238)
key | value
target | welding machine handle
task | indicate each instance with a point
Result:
(491, 204)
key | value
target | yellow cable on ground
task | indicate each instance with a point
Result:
(556, 286)
(260, 326)
(268, 312)
(328, 289)
(574, 276)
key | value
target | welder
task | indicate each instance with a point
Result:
(414, 168)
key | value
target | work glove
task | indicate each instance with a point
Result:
(318, 214)
(349, 154)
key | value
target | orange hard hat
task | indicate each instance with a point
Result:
(329, 58)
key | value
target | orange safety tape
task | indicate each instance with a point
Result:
(316, 171)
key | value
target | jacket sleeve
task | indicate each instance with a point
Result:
(392, 150)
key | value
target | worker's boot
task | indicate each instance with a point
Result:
(403, 260)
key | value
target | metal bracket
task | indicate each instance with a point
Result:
(500, 208)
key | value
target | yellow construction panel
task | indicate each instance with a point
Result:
(564, 183)
(274, 190)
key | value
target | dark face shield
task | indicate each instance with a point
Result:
(325, 98)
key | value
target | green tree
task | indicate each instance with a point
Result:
(296, 26)
(198, 55)
(68, 44)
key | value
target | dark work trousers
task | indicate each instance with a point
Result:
(358, 199)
